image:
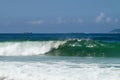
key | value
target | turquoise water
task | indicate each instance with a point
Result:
(89, 60)
(59, 56)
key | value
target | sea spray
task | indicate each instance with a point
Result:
(58, 71)
(27, 48)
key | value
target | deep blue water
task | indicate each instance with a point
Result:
(59, 36)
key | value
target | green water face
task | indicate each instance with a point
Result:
(87, 48)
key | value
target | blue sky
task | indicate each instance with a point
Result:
(59, 16)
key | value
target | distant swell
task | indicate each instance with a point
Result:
(74, 47)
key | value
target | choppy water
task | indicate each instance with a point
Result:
(59, 68)
(59, 56)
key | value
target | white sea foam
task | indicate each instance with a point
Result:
(27, 48)
(56, 71)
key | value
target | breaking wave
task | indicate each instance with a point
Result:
(27, 48)
(74, 47)
(87, 48)
(57, 71)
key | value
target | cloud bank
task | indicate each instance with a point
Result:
(36, 22)
(106, 19)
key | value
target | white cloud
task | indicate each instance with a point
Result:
(108, 19)
(116, 20)
(80, 21)
(59, 20)
(73, 21)
(36, 22)
(100, 17)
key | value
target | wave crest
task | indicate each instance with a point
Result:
(75, 47)
(27, 48)
(87, 48)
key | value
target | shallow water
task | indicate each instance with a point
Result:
(59, 68)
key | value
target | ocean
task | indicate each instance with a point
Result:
(60, 56)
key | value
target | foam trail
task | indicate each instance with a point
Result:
(56, 71)
(27, 48)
